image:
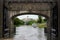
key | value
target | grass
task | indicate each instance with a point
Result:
(42, 25)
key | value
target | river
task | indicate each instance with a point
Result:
(29, 33)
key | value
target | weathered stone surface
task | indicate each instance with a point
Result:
(1, 17)
(31, 0)
(21, 8)
(16, 9)
(58, 1)
(16, 13)
(29, 6)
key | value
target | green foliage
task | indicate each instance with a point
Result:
(45, 20)
(40, 19)
(42, 25)
(18, 22)
(31, 22)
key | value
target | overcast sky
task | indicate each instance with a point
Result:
(29, 16)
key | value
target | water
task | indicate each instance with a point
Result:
(29, 33)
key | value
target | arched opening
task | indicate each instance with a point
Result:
(13, 6)
(37, 23)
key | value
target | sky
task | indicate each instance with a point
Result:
(29, 16)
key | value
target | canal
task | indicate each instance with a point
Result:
(27, 32)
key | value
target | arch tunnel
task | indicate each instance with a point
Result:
(6, 14)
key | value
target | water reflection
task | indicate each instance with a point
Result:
(29, 33)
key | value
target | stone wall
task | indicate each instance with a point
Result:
(58, 19)
(29, 6)
(1, 17)
(30, 0)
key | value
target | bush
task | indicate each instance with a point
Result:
(18, 22)
(31, 22)
(42, 25)
(39, 20)
(45, 20)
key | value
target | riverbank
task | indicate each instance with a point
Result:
(6, 39)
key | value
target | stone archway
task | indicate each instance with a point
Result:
(13, 8)
(15, 13)
(11, 13)
(1, 15)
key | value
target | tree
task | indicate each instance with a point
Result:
(31, 22)
(40, 19)
(45, 20)
(18, 22)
